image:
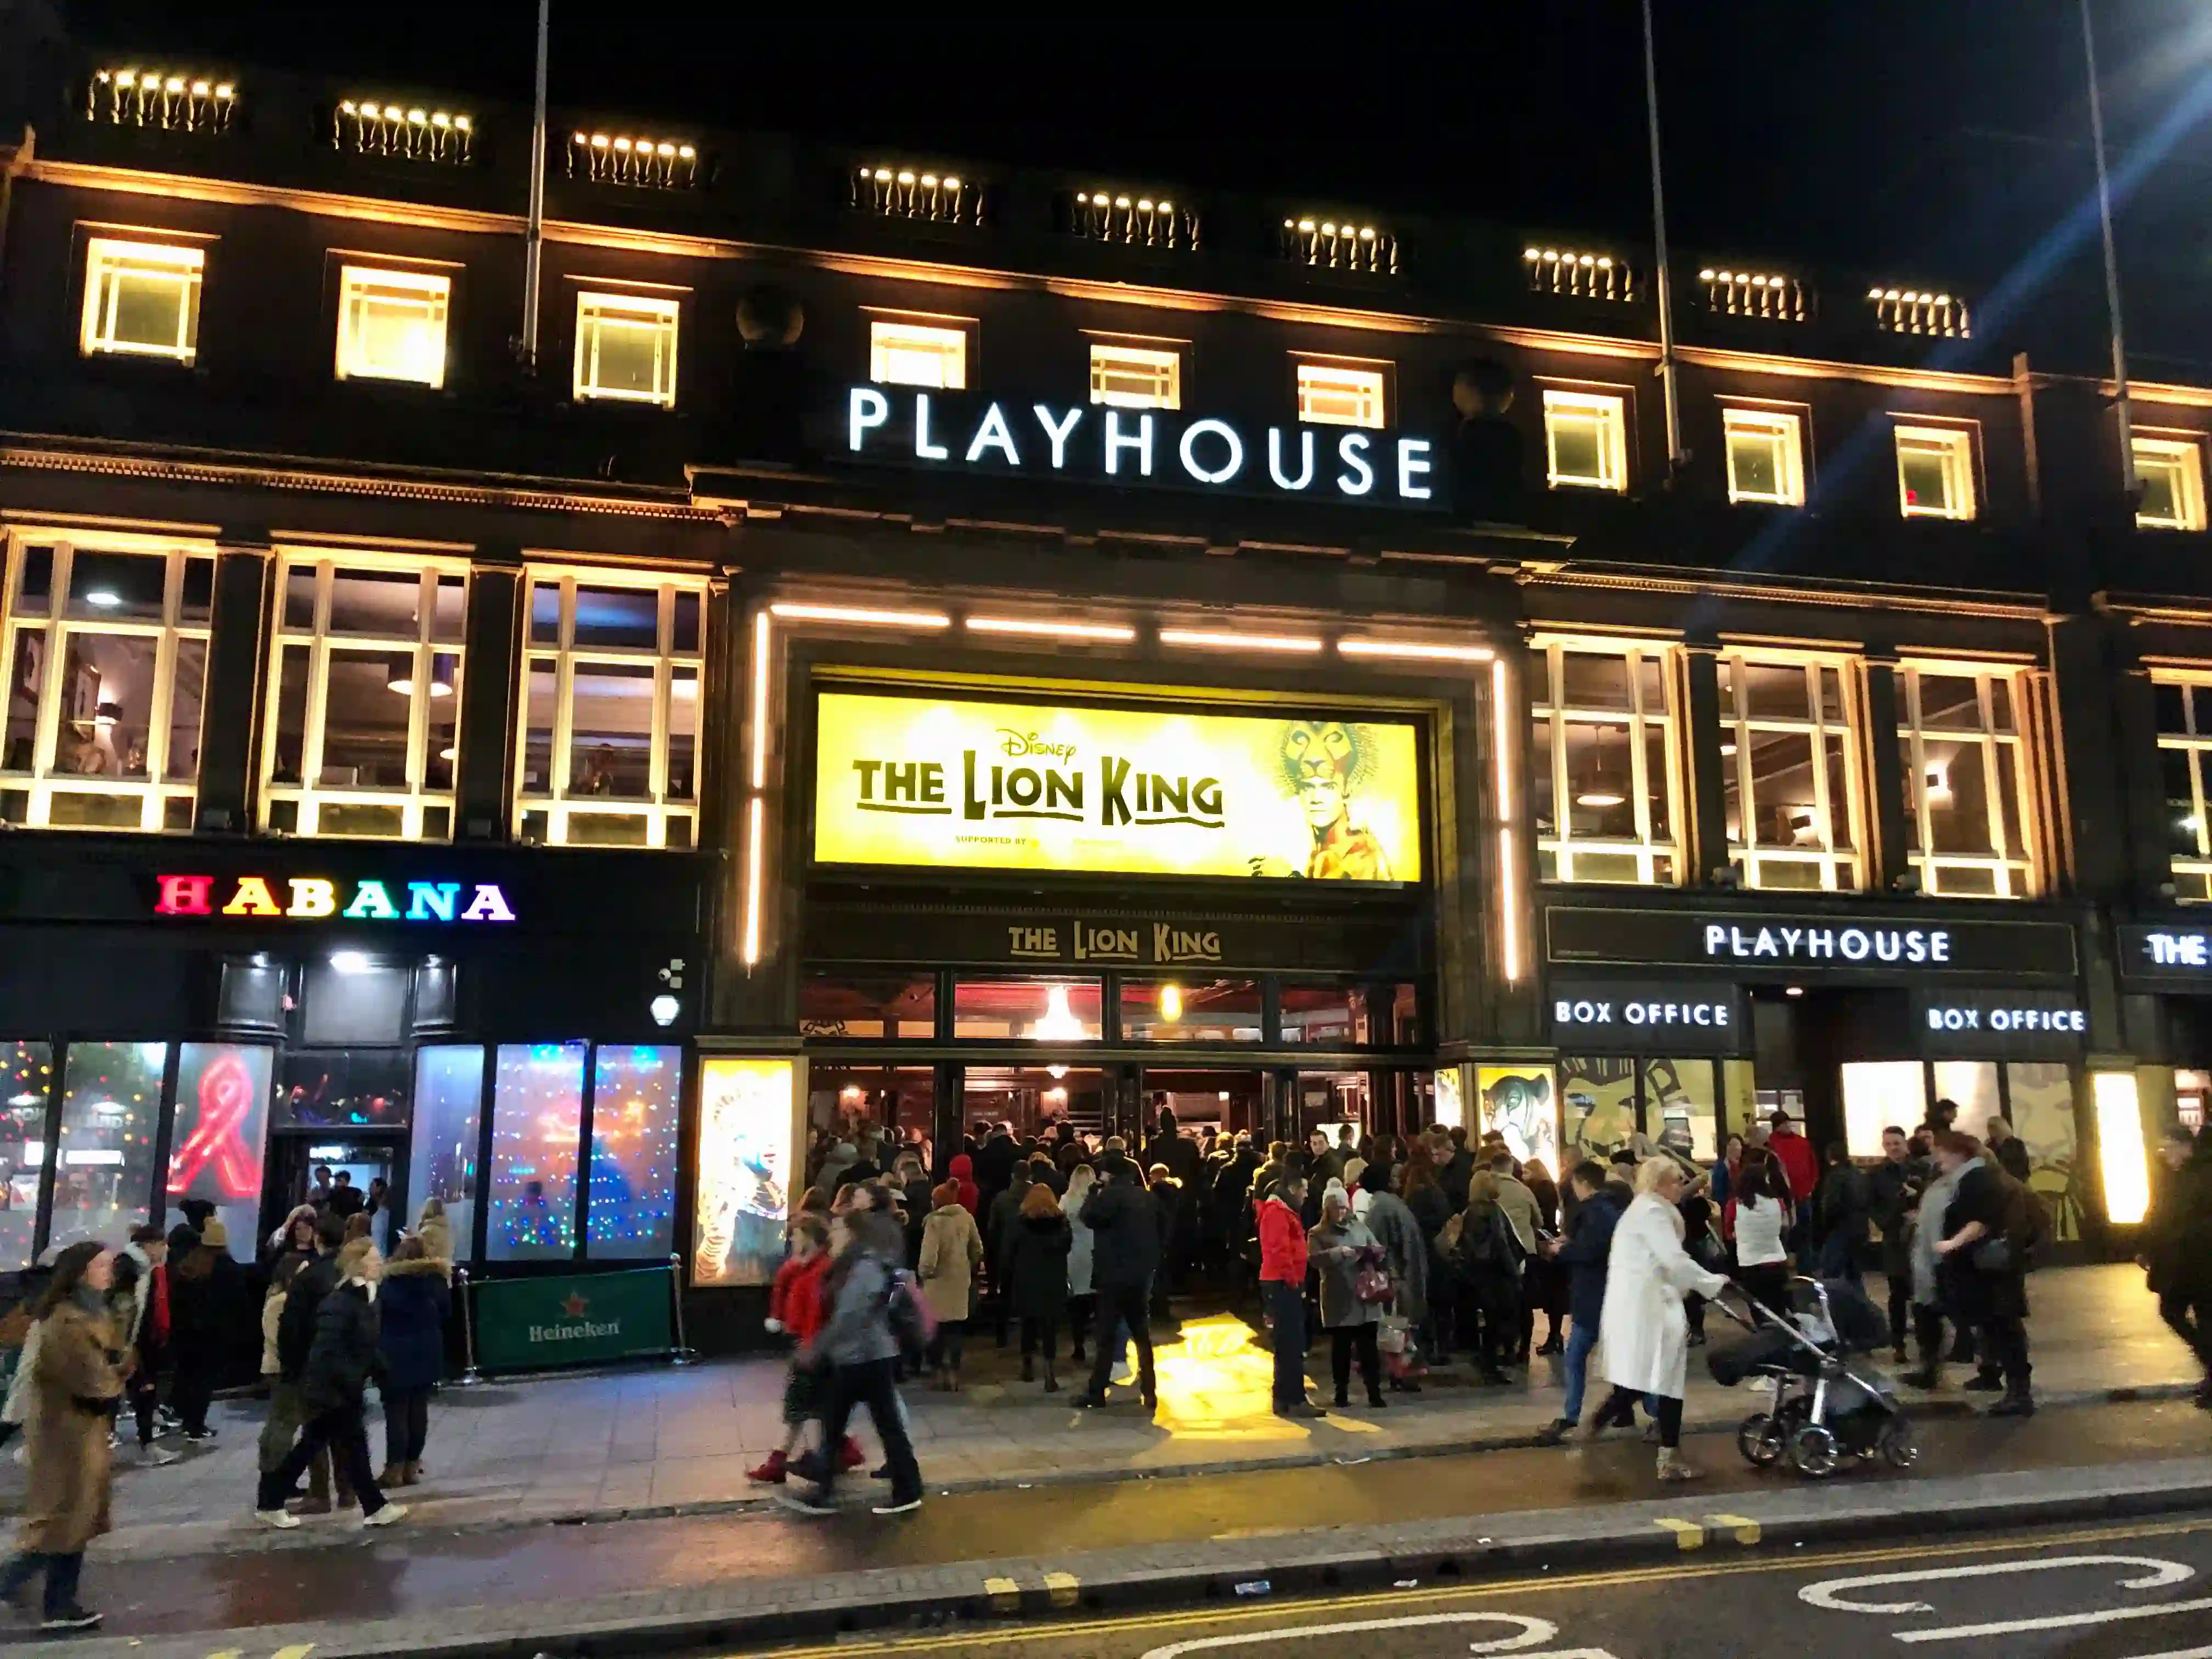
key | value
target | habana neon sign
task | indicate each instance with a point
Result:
(309, 898)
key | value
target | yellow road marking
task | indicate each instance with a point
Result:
(1064, 1588)
(297, 1650)
(227, 1653)
(1719, 1567)
(1746, 1529)
(1005, 1595)
(1688, 1535)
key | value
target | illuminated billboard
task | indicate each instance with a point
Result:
(748, 1130)
(949, 784)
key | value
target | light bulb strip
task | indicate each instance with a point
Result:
(761, 627)
(1414, 651)
(861, 615)
(1062, 630)
(1508, 879)
(1208, 641)
(756, 820)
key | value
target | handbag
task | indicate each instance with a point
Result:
(1994, 1255)
(1372, 1283)
(1395, 1334)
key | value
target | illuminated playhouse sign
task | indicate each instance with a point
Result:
(1102, 444)
(309, 898)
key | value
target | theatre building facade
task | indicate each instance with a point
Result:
(921, 644)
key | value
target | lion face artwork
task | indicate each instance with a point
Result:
(1324, 763)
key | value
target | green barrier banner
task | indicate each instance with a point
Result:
(527, 1324)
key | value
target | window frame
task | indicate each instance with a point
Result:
(1841, 870)
(1165, 356)
(666, 310)
(1636, 723)
(1921, 854)
(105, 255)
(1787, 429)
(2196, 749)
(556, 801)
(308, 795)
(2185, 450)
(1609, 410)
(44, 781)
(1959, 458)
(921, 330)
(1378, 375)
(355, 278)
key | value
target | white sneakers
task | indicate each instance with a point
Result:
(283, 1520)
(389, 1515)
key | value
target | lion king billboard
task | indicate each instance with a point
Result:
(904, 778)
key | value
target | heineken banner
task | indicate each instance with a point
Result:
(528, 1324)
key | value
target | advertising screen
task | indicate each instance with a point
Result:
(1518, 1101)
(223, 1119)
(748, 1115)
(946, 783)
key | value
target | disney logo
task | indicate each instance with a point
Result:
(1028, 742)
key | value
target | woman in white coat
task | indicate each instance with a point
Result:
(1644, 1331)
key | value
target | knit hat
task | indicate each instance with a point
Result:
(214, 1233)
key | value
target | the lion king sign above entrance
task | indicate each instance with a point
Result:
(947, 783)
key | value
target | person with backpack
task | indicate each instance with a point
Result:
(875, 1310)
(1990, 1233)
(1488, 1256)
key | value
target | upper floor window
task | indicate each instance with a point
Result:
(2172, 473)
(1765, 456)
(1585, 440)
(626, 349)
(1133, 376)
(612, 676)
(2184, 750)
(392, 324)
(1604, 770)
(1343, 394)
(902, 353)
(1789, 769)
(1935, 471)
(142, 299)
(1966, 781)
(365, 697)
(105, 648)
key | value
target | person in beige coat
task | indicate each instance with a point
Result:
(78, 1380)
(951, 1251)
(436, 1233)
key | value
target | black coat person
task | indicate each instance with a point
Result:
(1125, 1226)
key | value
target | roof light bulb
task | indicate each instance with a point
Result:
(460, 123)
(1167, 207)
(200, 88)
(175, 83)
(882, 175)
(686, 152)
(622, 145)
(929, 181)
(1531, 253)
(1550, 254)
(1605, 262)
(951, 183)
(1306, 225)
(1942, 299)
(346, 108)
(1367, 233)
(1328, 229)
(1585, 260)
(663, 148)
(905, 177)
(126, 78)
(415, 118)
(224, 89)
(441, 120)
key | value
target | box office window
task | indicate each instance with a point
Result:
(1790, 769)
(443, 1150)
(1027, 1010)
(630, 1212)
(844, 1005)
(363, 724)
(392, 324)
(1193, 1011)
(105, 650)
(612, 683)
(27, 1082)
(2170, 472)
(1605, 768)
(140, 299)
(104, 1164)
(536, 1131)
(2184, 742)
(217, 1134)
(1350, 1016)
(626, 349)
(1966, 781)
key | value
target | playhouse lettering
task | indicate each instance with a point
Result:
(1908, 944)
(312, 898)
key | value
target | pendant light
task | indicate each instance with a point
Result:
(1600, 791)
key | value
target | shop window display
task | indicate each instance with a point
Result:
(636, 1093)
(537, 1122)
(442, 1157)
(220, 1122)
(110, 1105)
(743, 1200)
(344, 1088)
(26, 1081)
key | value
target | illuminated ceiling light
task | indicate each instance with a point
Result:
(929, 181)
(1143, 205)
(882, 175)
(1728, 749)
(1305, 224)
(1605, 262)
(1171, 1002)
(1236, 641)
(1059, 1022)
(104, 598)
(350, 962)
(1064, 630)
(126, 77)
(1874, 294)
(663, 148)
(622, 146)
(1586, 260)
(1550, 254)
(840, 613)
(1793, 990)
(664, 1009)
(1167, 207)
(1367, 233)
(1414, 652)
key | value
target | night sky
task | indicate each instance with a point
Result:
(1940, 140)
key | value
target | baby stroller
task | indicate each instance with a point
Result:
(1824, 1412)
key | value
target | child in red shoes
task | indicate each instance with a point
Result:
(794, 1308)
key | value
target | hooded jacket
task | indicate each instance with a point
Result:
(411, 1308)
(1126, 1225)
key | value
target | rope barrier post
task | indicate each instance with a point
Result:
(684, 1354)
(469, 1377)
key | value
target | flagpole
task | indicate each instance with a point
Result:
(1659, 240)
(533, 256)
(2111, 261)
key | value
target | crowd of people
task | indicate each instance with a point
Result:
(150, 1331)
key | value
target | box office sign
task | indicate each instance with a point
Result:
(1810, 946)
(1978, 1024)
(1165, 938)
(1646, 1017)
(947, 784)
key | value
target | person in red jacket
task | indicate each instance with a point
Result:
(1801, 1165)
(794, 1310)
(1283, 1288)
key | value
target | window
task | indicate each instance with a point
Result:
(141, 299)
(631, 1207)
(441, 1153)
(1135, 376)
(217, 1135)
(27, 1082)
(1585, 441)
(1343, 394)
(846, 1004)
(537, 1125)
(363, 723)
(611, 688)
(1789, 772)
(1935, 472)
(2184, 750)
(1192, 1011)
(1766, 456)
(392, 324)
(626, 349)
(1966, 776)
(917, 354)
(2172, 473)
(1027, 1010)
(1351, 1015)
(1605, 772)
(105, 651)
(110, 1105)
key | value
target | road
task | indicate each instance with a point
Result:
(2129, 1592)
(409, 1570)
